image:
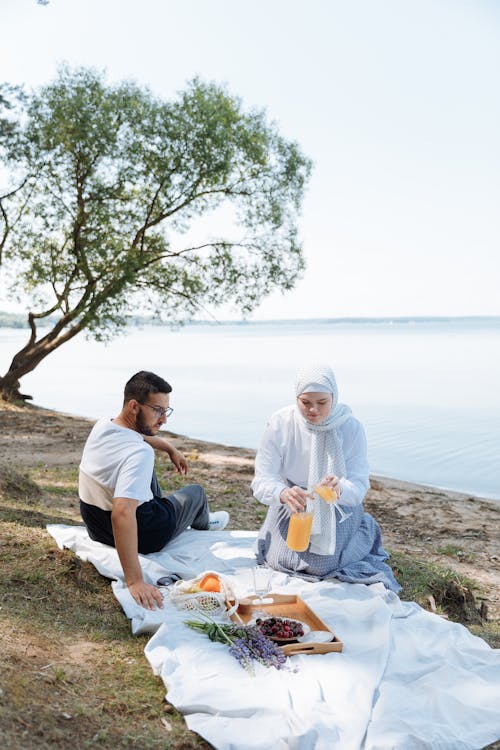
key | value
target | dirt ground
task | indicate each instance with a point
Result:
(456, 530)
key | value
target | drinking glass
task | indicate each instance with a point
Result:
(329, 495)
(261, 584)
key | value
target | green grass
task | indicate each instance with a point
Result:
(453, 593)
(451, 550)
(419, 577)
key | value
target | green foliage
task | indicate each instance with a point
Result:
(451, 550)
(110, 178)
(11, 97)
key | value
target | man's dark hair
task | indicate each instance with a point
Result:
(142, 384)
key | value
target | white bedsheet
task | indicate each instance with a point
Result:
(406, 679)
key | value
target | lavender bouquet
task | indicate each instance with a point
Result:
(246, 643)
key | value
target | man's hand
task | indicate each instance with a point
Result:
(294, 498)
(179, 460)
(124, 521)
(161, 444)
(146, 595)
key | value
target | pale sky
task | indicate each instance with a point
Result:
(396, 101)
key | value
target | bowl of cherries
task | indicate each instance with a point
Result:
(281, 629)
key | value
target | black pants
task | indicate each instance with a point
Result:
(158, 521)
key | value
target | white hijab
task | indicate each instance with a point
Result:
(327, 455)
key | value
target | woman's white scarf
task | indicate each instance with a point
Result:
(327, 455)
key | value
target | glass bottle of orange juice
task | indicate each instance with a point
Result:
(299, 530)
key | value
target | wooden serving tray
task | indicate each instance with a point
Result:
(295, 608)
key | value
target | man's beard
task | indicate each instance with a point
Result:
(142, 428)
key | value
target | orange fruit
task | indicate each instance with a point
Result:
(209, 582)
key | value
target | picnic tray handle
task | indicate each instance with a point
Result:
(291, 649)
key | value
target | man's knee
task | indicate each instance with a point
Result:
(193, 492)
(197, 490)
(191, 507)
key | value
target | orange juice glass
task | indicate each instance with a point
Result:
(299, 531)
(326, 493)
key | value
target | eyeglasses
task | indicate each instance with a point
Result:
(158, 410)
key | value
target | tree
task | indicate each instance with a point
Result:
(106, 181)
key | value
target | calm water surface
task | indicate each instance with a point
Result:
(426, 390)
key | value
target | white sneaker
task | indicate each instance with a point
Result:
(218, 520)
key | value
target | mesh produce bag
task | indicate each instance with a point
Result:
(186, 595)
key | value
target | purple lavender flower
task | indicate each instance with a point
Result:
(247, 644)
(264, 649)
(243, 654)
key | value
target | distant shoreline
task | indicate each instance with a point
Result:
(19, 320)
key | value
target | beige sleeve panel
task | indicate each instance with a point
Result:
(94, 493)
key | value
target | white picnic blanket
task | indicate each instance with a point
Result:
(406, 679)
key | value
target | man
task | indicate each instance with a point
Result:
(121, 501)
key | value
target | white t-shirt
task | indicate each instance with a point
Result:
(283, 458)
(116, 462)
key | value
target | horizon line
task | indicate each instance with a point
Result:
(145, 319)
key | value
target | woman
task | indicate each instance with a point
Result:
(318, 441)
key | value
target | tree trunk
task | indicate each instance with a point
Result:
(23, 362)
(27, 359)
(9, 389)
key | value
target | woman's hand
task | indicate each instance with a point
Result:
(334, 482)
(294, 498)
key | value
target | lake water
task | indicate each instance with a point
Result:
(426, 389)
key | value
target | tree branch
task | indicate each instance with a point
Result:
(17, 189)
(32, 338)
(191, 196)
(148, 215)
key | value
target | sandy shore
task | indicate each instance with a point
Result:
(456, 530)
